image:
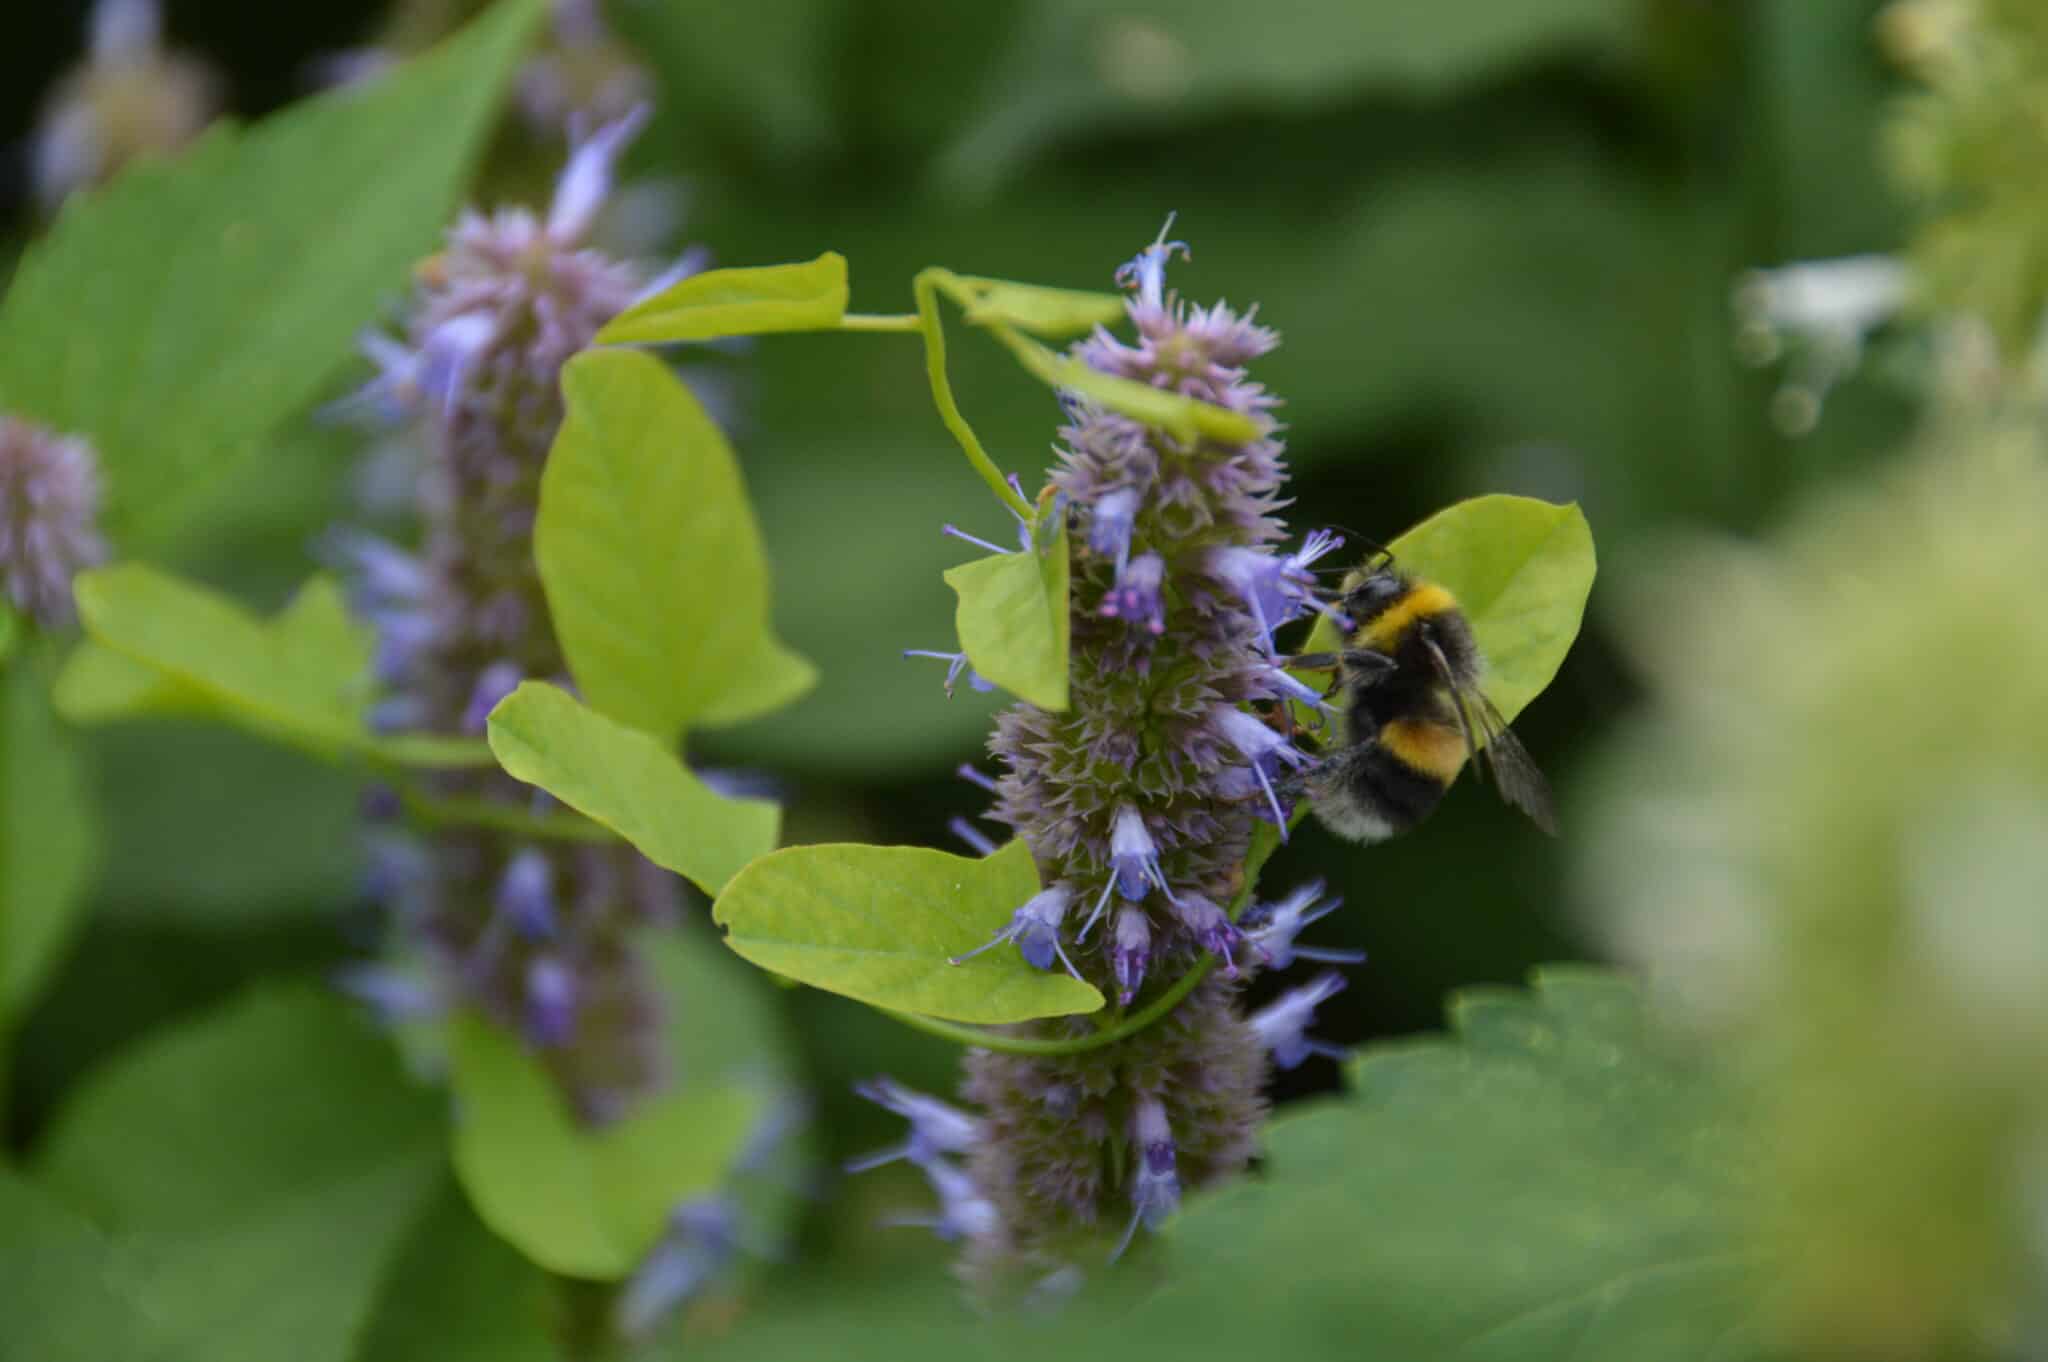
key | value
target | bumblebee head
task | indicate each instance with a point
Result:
(1371, 589)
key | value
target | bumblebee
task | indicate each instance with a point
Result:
(1410, 713)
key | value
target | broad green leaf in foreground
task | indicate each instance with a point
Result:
(651, 556)
(882, 924)
(1012, 620)
(580, 1202)
(1521, 570)
(746, 301)
(1547, 1183)
(179, 316)
(1054, 313)
(163, 646)
(630, 783)
(62, 1292)
(458, 1293)
(255, 1171)
(48, 833)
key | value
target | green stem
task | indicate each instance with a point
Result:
(927, 286)
(862, 321)
(484, 813)
(1264, 843)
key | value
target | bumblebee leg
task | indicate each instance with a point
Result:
(1310, 662)
(1366, 662)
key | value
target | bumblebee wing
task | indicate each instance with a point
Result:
(1514, 770)
(1502, 758)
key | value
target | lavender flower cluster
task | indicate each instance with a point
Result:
(49, 520)
(1138, 803)
(535, 934)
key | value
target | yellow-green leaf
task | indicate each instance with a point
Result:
(1054, 313)
(1012, 620)
(629, 782)
(883, 925)
(810, 296)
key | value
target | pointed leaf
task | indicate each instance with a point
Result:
(1054, 313)
(1521, 570)
(580, 1202)
(182, 314)
(1185, 418)
(49, 834)
(737, 302)
(1405, 1225)
(64, 1293)
(651, 556)
(882, 924)
(178, 648)
(633, 785)
(1013, 623)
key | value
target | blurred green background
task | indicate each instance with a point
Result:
(1498, 236)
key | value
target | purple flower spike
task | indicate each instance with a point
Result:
(936, 1128)
(49, 520)
(1275, 589)
(526, 895)
(956, 663)
(702, 1240)
(1210, 926)
(1138, 596)
(1281, 1025)
(1276, 925)
(1036, 929)
(1155, 1191)
(551, 1002)
(1109, 531)
(1263, 748)
(1131, 951)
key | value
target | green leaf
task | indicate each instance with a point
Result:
(458, 1293)
(1054, 313)
(1185, 418)
(1547, 1184)
(63, 1294)
(164, 646)
(180, 316)
(1013, 623)
(10, 630)
(748, 301)
(1521, 570)
(579, 1202)
(49, 837)
(1077, 67)
(632, 784)
(651, 556)
(256, 1170)
(883, 924)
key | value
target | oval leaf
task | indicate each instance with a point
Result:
(882, 924)
(1521, 569)
(1184, 418)
(737, 302)
(1012, 620)
(633, 785)
(183, 313)
(580, 1202)
(651, 556)
(1054, 313)
(48, 835)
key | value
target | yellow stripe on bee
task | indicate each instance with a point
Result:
(1383, 634)
(1425, 746)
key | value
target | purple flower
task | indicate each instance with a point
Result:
(551, 1002)
(1109, 526)
(526, 895)
(963, 1211)
(701, 1242)
(587, 180)
(1155, 1190)
(1275, 589)
(1036, 929)
(1146, 271)
(395, 997)
(977, 841)
(1266, 750)
(1137, 597)
(1131, 950)
(936, 1128)
(1275, 926)
(956, 663)
(1211, 927)
(49, 520)
(1133, 864)
(1271, 681)
(1282, 1024)
(493, 684)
